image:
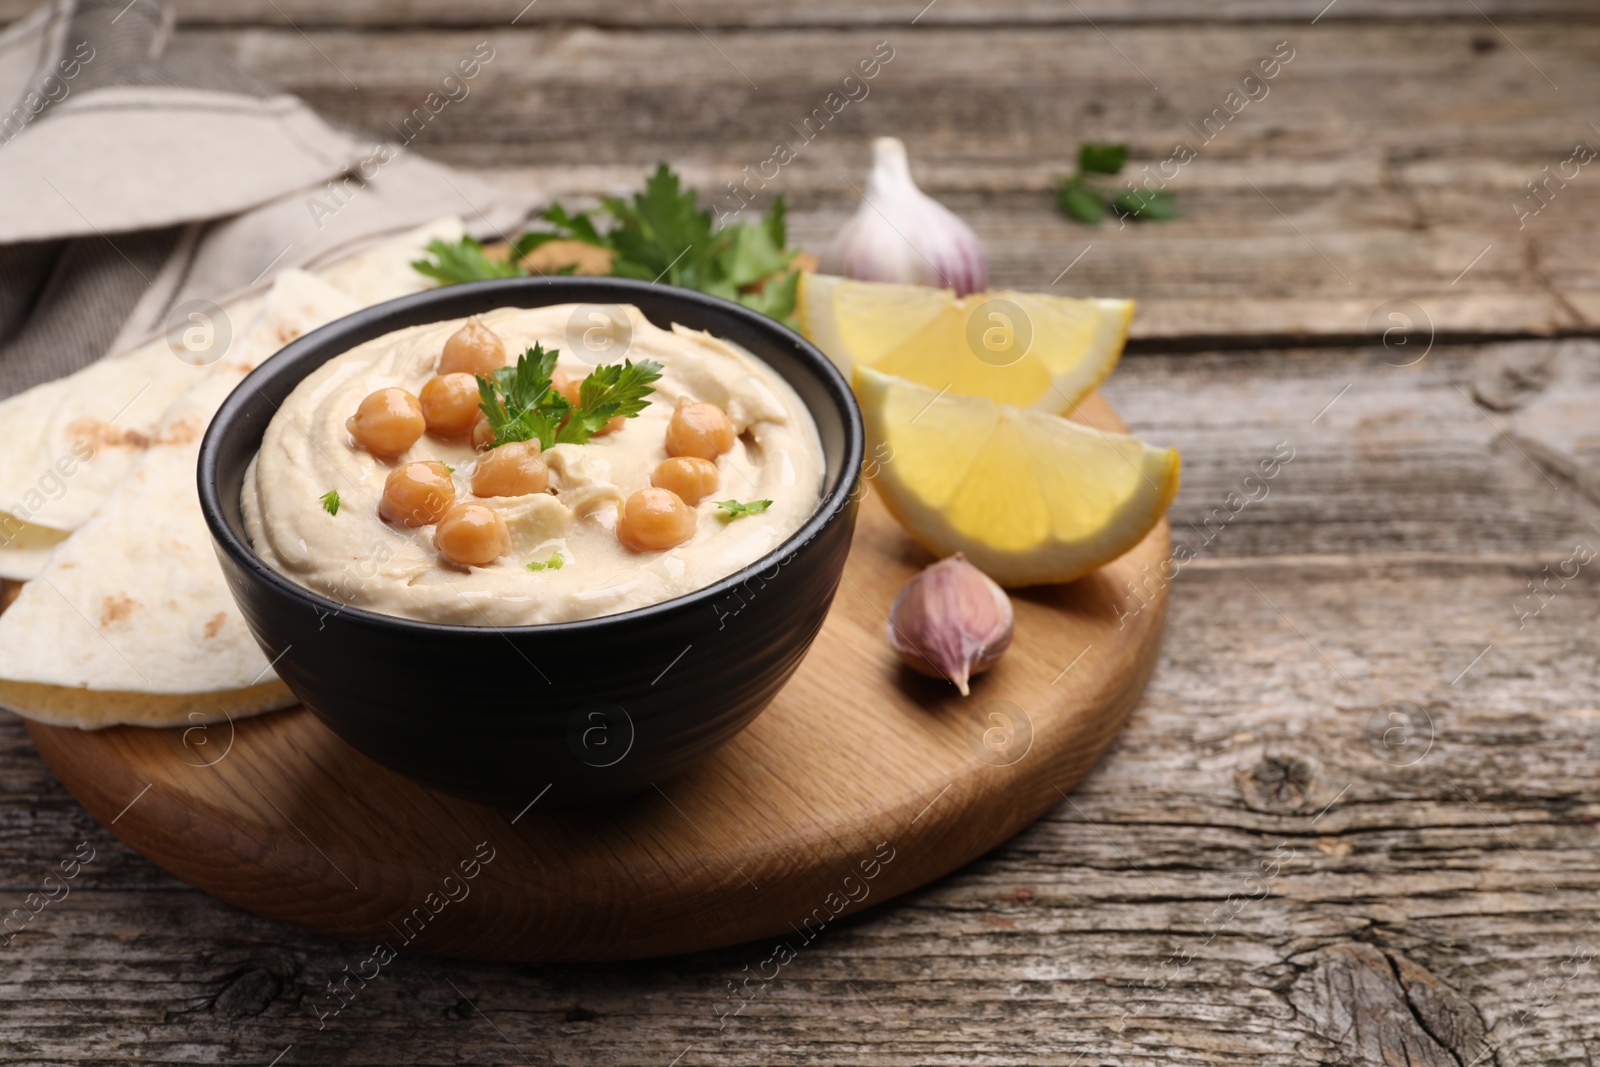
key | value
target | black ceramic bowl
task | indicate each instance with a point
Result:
(596, 709)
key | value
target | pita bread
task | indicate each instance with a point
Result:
(129, 620)
(384, 272)
(108, 411)
(91, 709)
(68, 442)
(134, 601)
(26, 546)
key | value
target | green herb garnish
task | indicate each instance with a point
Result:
(330, 501)
(736, 510)
(463, 261)
(1084, 196)
(660, 234)
(554, 563)
(522, 404)
(611, 390)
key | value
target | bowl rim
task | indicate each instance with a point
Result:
(286, 360)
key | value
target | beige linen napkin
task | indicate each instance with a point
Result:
(140, 180)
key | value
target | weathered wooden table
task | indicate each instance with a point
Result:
(1353, 820)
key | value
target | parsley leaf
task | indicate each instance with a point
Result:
(1146, 204)
(754, 252)
(1081, 203)
(330, 501)
(554, 563)
(611, 390)
(661, 234)
(776, 299)
(520, 402)
(570, 227)
(736, 510)
(1101, 158)
(658, 235)
(1086, 198)
(463, 261)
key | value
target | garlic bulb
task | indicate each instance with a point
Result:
(951, 621)
(900, 234)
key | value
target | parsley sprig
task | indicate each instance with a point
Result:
(660, 234)
(522, 403)
(611, 390)
(330, 501)
(554, 563)
(463, 261)
(736, 510)
(1084, 198)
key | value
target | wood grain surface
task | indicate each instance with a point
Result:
(1442, 890)
(733, 14)
(861, 781)
(1385, 161)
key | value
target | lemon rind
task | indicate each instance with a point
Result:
(1053, 561)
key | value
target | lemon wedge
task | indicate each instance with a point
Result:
(1029, 350)
(1029, 497)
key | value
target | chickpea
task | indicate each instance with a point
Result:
(472, 535)
(387, 422)
(482, 433)
(416, 494)
(450, 404)
(572, 388)
(653, 520)
(691, 477)
(511, 469)
(567, 386)
(698, 429)
(473, 349)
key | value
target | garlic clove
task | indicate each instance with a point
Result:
(901, 234)
(951, 621)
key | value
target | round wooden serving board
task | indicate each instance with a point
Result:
(861, 781)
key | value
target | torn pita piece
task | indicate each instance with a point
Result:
(128, 619)
(67, 443)
(134, 601)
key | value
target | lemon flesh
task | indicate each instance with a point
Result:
(1029, 350)
(1031, 498)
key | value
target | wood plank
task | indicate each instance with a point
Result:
(1306, 216)
(378, 14)
(1389, 461)
(1455, 892)
(1468, 851)
(1476, 862)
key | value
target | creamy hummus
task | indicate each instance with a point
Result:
(357, 558)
